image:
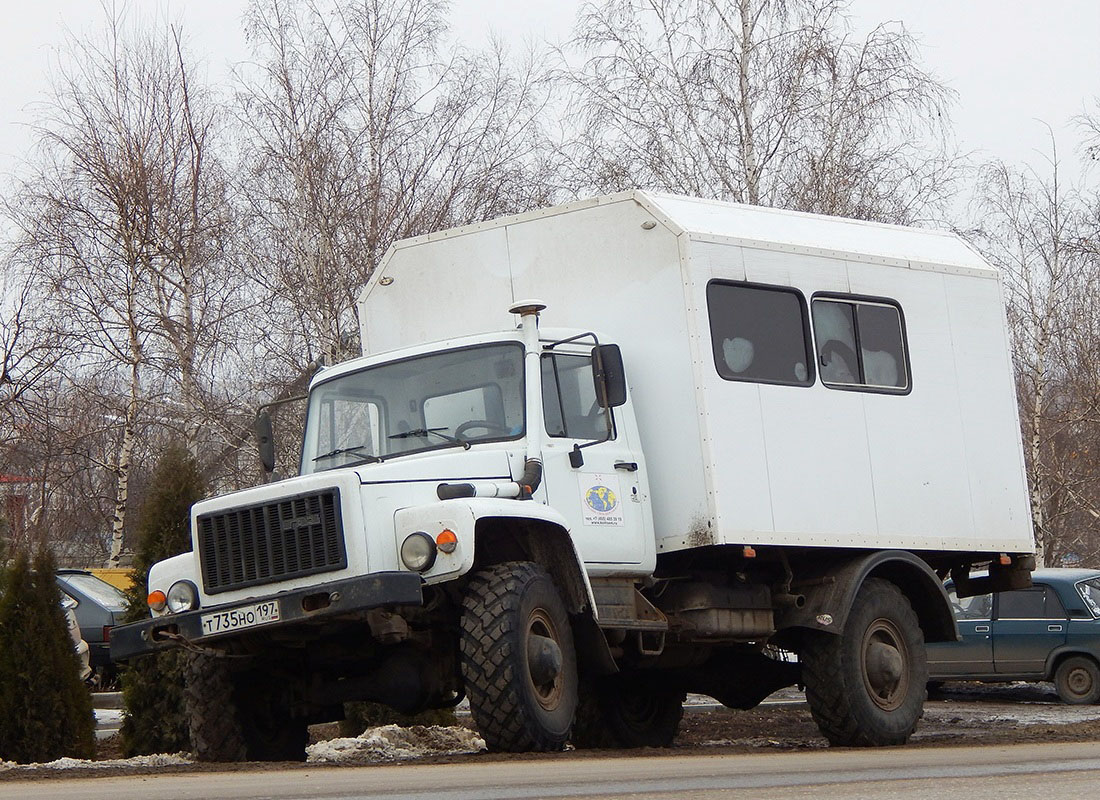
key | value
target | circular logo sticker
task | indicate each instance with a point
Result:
(601, 499)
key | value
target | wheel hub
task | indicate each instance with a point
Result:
(543, 659)
(885, 664)
(1079, 681)
(545, 670)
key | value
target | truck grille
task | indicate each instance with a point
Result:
(288, 538)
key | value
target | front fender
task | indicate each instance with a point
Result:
(492, 530)
(462, 515)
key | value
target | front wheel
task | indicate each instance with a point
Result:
(866, 687)
(518, 662)
(1077, 680)
(212, 715)
(240, 716)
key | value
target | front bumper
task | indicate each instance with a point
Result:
(295, 607)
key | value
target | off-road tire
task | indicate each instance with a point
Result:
(270, 732)
(238, 717)
(840, 676)
(1077, 680)
(503, 608)
(626, 711)
(212, 716)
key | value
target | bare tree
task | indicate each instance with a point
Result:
(1040, 233)
(29, 349)
(361, 130)
(757, 101)
(124, 220)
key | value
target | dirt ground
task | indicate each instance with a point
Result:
(969, 714)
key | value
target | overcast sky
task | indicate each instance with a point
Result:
(1012, 62)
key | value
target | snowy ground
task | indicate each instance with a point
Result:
(159, 760)
(965, 713)
(391, 743)
(387, 743)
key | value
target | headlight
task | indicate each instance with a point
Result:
(183, 596)
(418, 551)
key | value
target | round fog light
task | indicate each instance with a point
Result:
(418, 551)
(183, 596)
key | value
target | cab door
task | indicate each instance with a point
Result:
(603, 498)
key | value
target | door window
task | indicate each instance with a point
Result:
(1038, 602)
(980, 607)
(569, 402)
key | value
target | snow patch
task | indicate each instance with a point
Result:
(159, 760)
(394, 743)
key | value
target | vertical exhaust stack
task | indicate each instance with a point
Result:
(529, 481)
(528, 311)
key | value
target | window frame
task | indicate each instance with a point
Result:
(807, 333)
(856, 300)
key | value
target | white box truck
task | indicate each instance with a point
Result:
(739, 434)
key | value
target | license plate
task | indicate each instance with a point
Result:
(243, 617)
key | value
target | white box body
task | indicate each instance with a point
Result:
(939, 468)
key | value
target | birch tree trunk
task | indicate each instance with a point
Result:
(123, 468)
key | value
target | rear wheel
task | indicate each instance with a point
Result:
(518, 662)
(1077, 680)
(628, 711)
(866, 687)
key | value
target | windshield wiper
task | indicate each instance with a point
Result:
(434, 432)
(341, 450)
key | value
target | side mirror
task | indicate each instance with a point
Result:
(609, 375)
(265, 440)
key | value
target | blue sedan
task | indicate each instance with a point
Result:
(1050, 632)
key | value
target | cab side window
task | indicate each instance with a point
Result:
(569, 402)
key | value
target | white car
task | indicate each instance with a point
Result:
(81, 646)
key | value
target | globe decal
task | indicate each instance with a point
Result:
(601, 499)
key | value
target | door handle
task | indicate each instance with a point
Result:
(1054, 628)
(629, 466)
(981, 629)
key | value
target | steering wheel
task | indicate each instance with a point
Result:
(488, 425)
(834, 349)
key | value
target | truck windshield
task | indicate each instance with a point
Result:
(448, 399)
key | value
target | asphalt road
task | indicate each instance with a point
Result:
(1049, 771)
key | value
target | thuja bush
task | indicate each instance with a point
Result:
(152, 685)
(45, 709)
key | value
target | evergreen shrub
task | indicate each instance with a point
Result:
(45, 709)
(152, 685)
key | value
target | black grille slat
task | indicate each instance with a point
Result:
(271, 542)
